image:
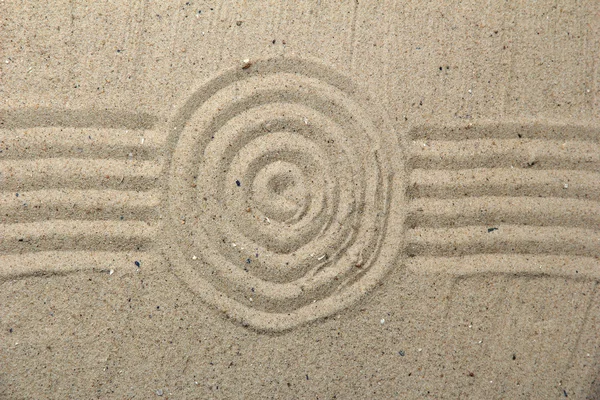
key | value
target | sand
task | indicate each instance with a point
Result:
(372, 199)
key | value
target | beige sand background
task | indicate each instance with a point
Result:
(487, 100)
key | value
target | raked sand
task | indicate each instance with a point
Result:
(318, 200)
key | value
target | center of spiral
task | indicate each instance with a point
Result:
(280, 192)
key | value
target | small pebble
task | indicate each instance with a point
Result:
(159, 392)
(382, 321)
(137, 264)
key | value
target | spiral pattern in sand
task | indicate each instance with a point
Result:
(282, 188)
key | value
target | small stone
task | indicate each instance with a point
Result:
(159, 392)
(382, 321)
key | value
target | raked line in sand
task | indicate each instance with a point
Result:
(279, 194)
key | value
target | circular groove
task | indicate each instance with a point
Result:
(280, 193)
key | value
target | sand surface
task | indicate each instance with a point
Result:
(322, 199)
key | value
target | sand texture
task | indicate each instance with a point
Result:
(374, 199)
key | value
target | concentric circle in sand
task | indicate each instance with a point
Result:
(282, 193)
